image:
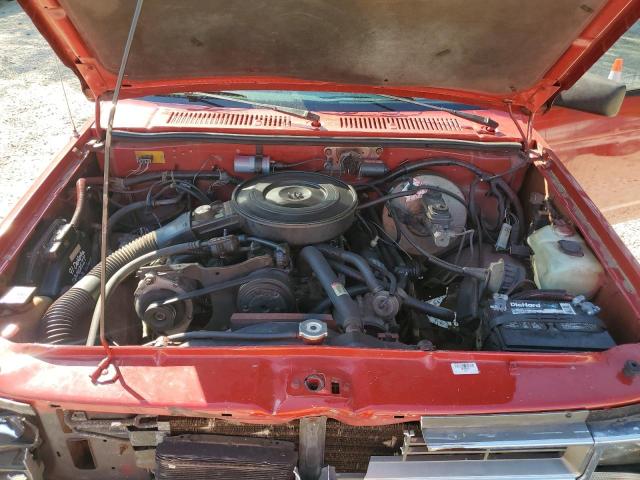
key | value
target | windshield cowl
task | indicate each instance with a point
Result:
(171, 114)
(386, 102)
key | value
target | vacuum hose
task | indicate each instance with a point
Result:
(67, 320)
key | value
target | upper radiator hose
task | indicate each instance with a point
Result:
(348, 313)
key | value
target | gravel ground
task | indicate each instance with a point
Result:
(34, 122)
(630, 234)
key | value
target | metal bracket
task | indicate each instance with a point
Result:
(18, 440)
(311, 447)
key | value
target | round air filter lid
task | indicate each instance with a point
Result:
(297, 207)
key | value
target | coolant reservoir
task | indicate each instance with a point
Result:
(563, 261)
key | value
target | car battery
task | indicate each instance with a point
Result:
(532, 325)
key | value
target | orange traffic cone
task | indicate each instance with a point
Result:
(616, 70)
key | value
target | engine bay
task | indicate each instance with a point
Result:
(348, 248)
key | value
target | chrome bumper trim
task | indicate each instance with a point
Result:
(538, 446)
(506, 432)
(394, 468)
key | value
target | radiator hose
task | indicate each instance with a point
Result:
(348, 313)
(67, 319)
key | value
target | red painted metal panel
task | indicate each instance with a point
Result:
(266, 384)
(615, 17)
(601, 153)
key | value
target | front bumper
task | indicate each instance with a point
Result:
(538, 446)
(566, 445)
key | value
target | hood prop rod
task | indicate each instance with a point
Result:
(526, 136)
(106, 362)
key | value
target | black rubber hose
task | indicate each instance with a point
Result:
(434, 162)
(413, 191)
(348, 313)
(425, 307)
(209, 335)
(348, 271)
(67, 319)
(408, 300)
(262, 241)
(443, 162)
(134, 206)
(382, 250)
(357, 261)
(400, 268)
(326, 303)
(479, 273)
(153, 176)
(393, 281)
(119, 214)
(215, 287)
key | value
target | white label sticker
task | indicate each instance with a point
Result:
(339, 289)
(74, 252)
(79, 263)
(18, 295)
(437, 301)
(465, 368)
(567, 309)
(439, 323)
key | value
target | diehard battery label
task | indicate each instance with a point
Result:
(527, 306)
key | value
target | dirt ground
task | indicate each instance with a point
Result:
(34, 120)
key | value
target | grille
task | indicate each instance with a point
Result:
(403, 124)
(195, 457)
(347, 448)
(226, 119)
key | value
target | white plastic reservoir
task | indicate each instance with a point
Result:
(564, 262)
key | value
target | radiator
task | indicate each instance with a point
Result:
(200, 457)
(347, 448)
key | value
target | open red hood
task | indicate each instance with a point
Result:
(485, 53)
